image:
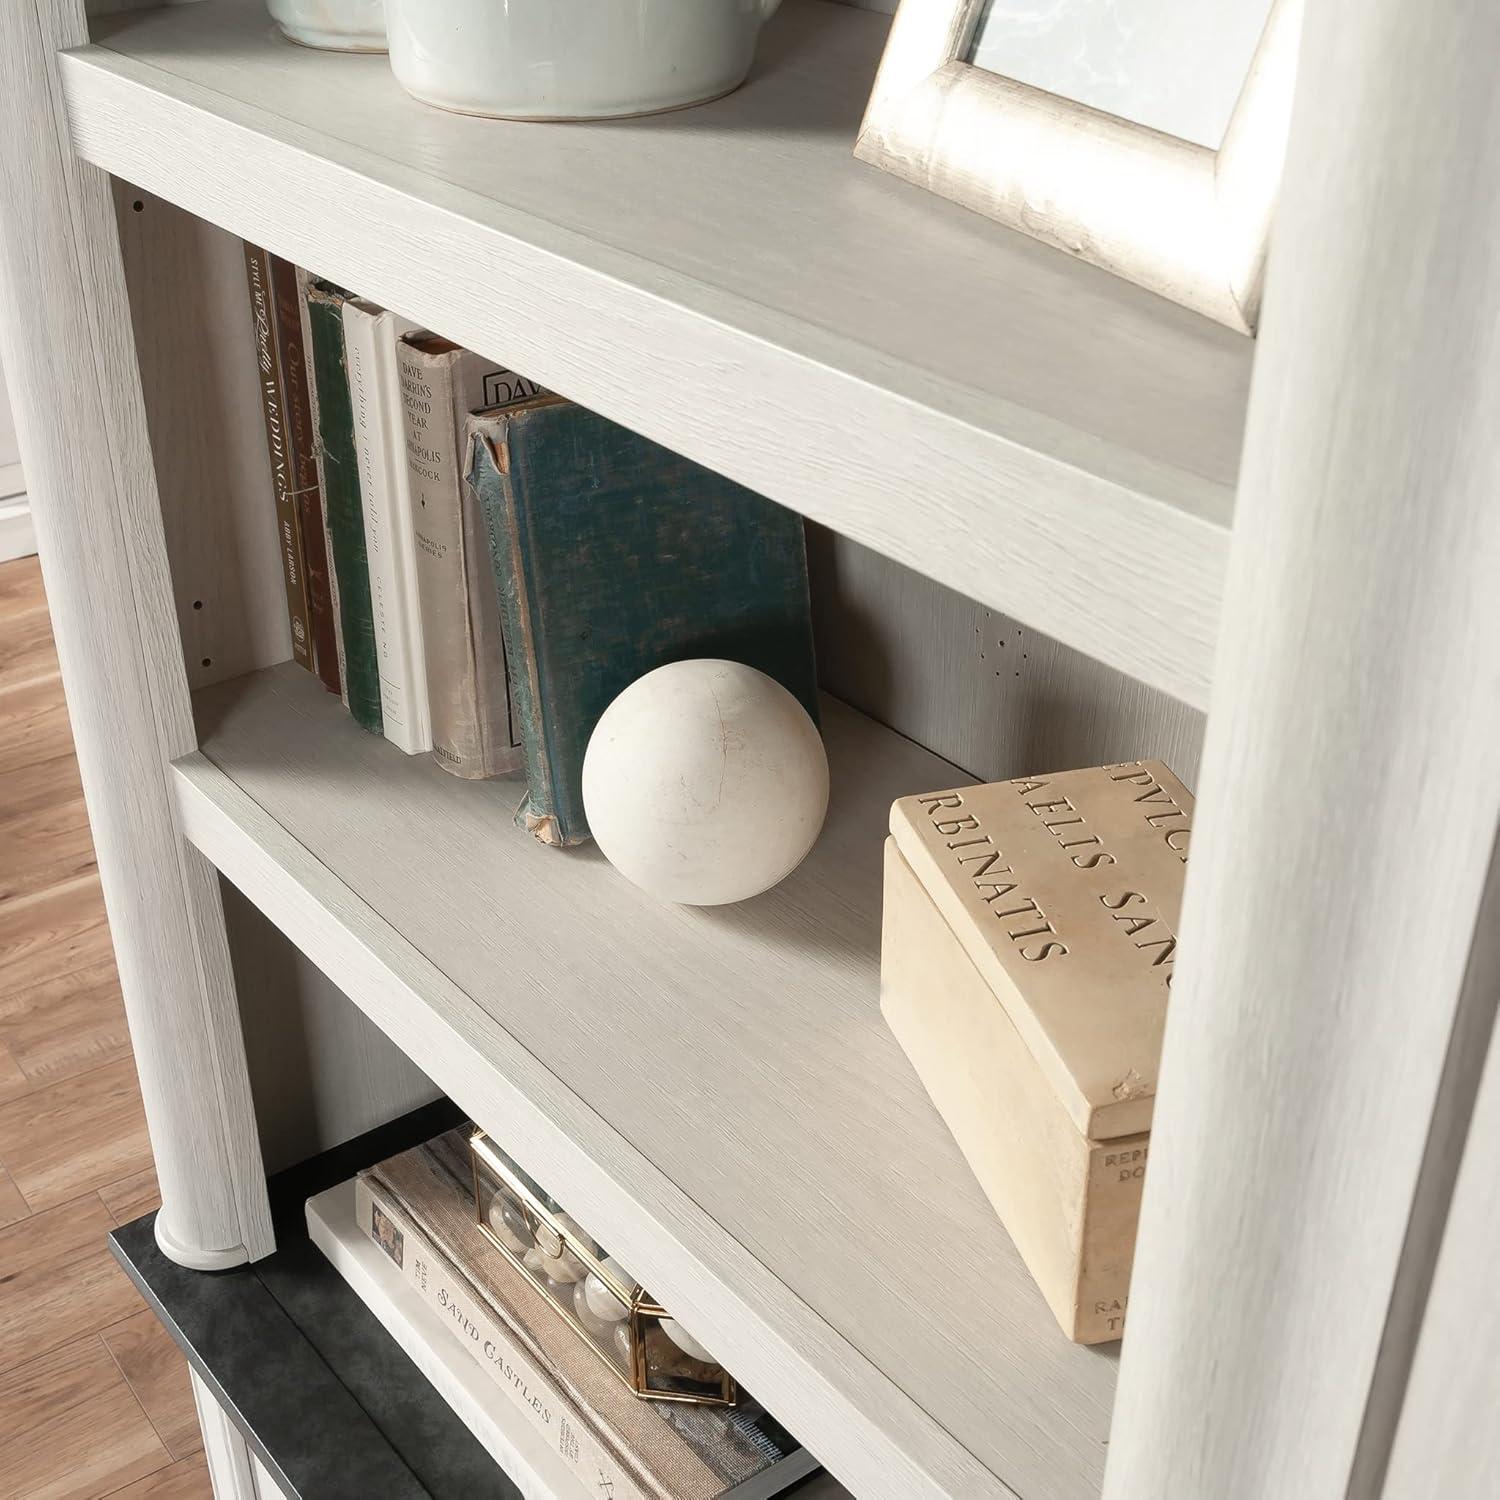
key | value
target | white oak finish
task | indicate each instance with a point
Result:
(232, 1467)
(973, 685)
(1351, 788)
(266, 1487)
(1030, 430)
(1189, 223)
(65, 338)
(1447, 1441)
(712, 1092)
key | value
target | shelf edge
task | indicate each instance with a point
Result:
(1068, 538)
(773, 1340)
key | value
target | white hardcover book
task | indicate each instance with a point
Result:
(421, 1331)
(370, 334)
(526, 1392)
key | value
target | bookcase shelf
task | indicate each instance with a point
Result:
(711, 1091)
(1026, 429)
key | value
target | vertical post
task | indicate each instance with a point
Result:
(1351, 788)
(65, 337)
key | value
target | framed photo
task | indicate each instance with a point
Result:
(1183, 219)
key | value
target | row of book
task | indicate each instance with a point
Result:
(538, 1398)
(478, 567)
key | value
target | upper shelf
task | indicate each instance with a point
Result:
(1020, 426)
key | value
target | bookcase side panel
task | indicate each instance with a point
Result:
(320, 1070)
(974, 686)
(190, 311)
(66, 339)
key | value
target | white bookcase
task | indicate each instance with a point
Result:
(315, 933)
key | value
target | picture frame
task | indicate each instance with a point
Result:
(1187, 222)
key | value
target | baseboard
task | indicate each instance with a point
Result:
(16, 536)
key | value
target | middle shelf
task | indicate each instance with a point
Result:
(711, 1091)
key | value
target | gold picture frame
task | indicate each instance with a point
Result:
(1186, 222)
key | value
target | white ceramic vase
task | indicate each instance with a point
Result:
(336, 25)
(572, 59)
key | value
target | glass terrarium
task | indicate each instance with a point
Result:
(632, 1333)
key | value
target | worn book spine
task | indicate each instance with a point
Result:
(486, 475)
(613, 556)
(342, 503)
(273, 409)
(304, 312)
(370, 335)
(302, 454)
(473, 730)
(534, 1397)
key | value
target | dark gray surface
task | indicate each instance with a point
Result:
(324, 1396)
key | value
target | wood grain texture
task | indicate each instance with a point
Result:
(66, 342)
(55, 931)
(35, 726)
(12, 1205)
(60, 1281)
(45, 848)
(186, 1480)
(64, 1026)
(26, 650)
(70, 1428)
(1305, 1063)
(157, 1374)
(75, 1136)
(1066, 430)
(1444, 1440)
(692, 1162)
(131, 1196)
(35, 788)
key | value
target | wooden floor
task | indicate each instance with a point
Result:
(94, 1397)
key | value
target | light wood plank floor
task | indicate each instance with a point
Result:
(94, 1397)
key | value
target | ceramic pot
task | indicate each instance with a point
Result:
(336, 25)
(571, 59)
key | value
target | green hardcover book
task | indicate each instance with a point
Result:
(614, 556)
(342, 504)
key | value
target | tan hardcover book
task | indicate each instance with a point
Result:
(273, 400)
(474, 733)
(1026, 958)
(616, 1442)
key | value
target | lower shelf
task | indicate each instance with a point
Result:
(712, 1092)
(323, 1395)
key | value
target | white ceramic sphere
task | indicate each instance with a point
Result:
(705, 782)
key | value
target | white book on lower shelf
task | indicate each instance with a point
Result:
(370, 334)
(538, 1472)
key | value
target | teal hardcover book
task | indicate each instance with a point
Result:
(614, 556)
(342, 503)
